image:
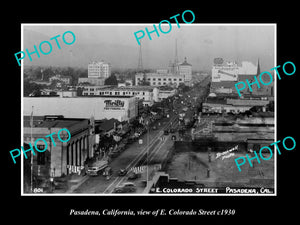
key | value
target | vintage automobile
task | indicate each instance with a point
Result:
(132, 175)
(125, 188)
(96, 167)
(122, 172)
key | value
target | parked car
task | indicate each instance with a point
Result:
(166, 132)
(125, 188)
(122, 172)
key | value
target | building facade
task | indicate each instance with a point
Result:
(65, 79)
(147, 94)
(226, 74)
(185, 69)
(229, 105)
(122, 108)
(92, 81)
(58, 159)
(156, 79)
(99, 70)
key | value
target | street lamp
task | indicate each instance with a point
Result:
(147, 125)
(52, 175)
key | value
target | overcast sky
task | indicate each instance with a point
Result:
(200, 43)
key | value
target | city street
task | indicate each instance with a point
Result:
(154, 144)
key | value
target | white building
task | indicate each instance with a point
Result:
(60, 78)
(164, 93)
(67, 94)
(185, 69)
(225, 72)
(156, 79)
(92, 81)
(146, 93)
(120, 108)
(99, 70)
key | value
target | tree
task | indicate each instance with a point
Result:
(112, 80)
(31, 88)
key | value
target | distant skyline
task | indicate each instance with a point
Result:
(116, 44)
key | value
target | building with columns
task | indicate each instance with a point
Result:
(63, 158)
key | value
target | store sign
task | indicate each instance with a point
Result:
(114, 105)
(74, 169)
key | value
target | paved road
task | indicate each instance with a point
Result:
(153, 145)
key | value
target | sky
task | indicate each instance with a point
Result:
(116, 44)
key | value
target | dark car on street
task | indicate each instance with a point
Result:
(122, 172)
(133, 176)
(172, 130)
(127, 187)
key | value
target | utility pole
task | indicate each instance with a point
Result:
(176, 59)
(147, 123)
(140, 62)
(31, 157)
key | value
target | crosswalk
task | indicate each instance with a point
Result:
(141, 169)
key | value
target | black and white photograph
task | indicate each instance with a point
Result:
(148, 112)
(153, 113)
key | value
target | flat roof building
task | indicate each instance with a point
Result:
(157, 79)
(58, 159)
(118, 107)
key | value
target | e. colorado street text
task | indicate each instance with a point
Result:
(186, 190)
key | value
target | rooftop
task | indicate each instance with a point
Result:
(107, 125)
(51, 121)
(185, 63)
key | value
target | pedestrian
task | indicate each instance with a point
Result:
(208, 171)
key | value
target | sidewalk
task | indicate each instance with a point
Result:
(69, 184)
(74, 183)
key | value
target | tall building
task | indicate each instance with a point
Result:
(99, 70)
(185, 69)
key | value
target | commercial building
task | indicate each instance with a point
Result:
(59, 78)
(148, 94)
(185, 69)
(99, 70)
(67, 94)
(228, 105)
(92, 81)
(226, 74)
(58, 159)
(156, 79)
(173, 76)
(122, 108)
(165, 92)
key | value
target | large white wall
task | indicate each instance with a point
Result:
(78, 107)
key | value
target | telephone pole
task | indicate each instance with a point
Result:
(140, 62)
